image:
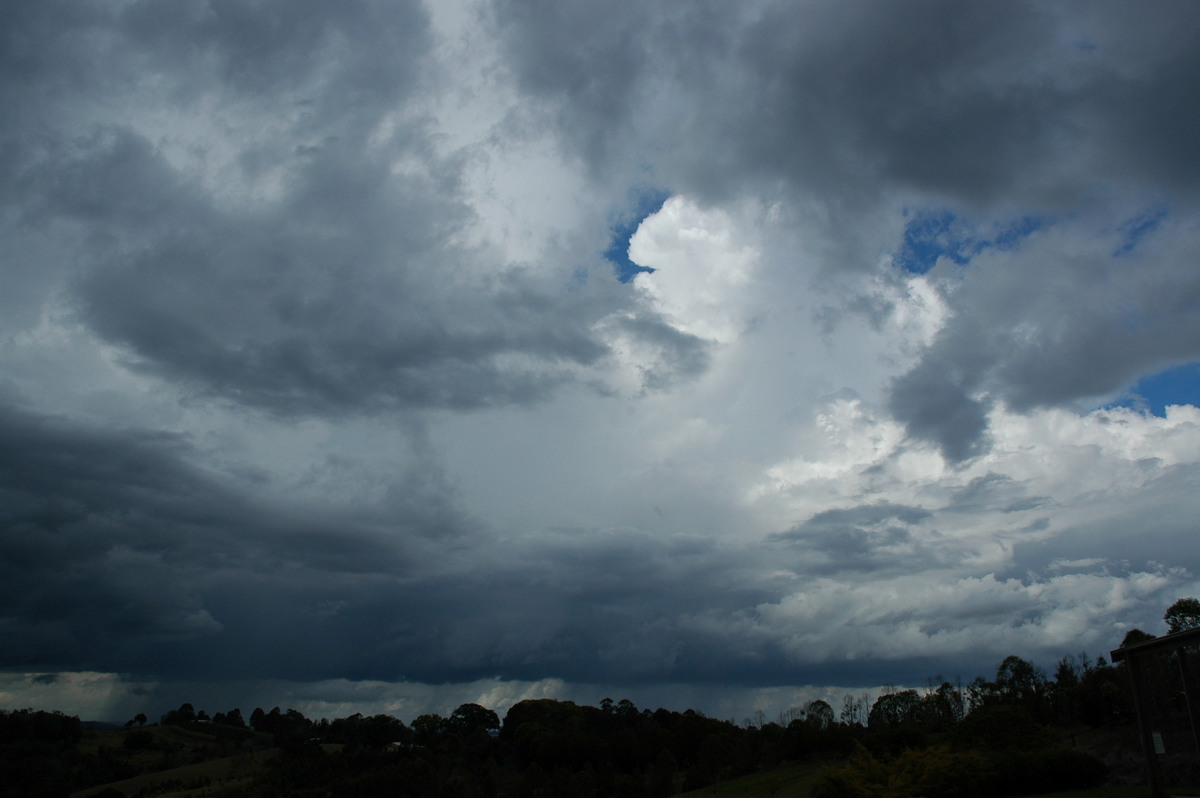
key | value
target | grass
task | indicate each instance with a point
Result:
(797, 781)
(790, 781)
(1117, 792)
(195, 779)
(182, 761)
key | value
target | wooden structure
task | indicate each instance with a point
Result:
(1140, 657)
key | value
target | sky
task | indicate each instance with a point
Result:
(386, 356)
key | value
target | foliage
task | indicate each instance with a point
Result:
(548, 747)
(942, 771)
(1000, 727)
(1183, 614)
(895, 710)
(37, 752)
(377, 731)
(29, 725)
(179, 717)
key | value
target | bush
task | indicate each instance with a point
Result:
(942, 772)
(1000, 728)
(936, 772)
(1049, 770)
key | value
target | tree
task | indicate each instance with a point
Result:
(470, 718)
(942, 708)
(427, 728)
(470, 726)
(1183, 614)
(854, 710)
(178, 717)
(1066, 674)
(1101, 696)
(1064, 692)
(1021, 682)
(378, 731)
(1134, 636)
(819, 714)
(894, 710)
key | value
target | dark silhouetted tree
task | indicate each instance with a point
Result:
(941, 708)
(818, 714)
(177, 717)
(1135, 636)
(1183, 614)
(427, 729)
(470, 718)
(1021, 683)
(894, 710)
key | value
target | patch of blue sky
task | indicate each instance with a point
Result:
(645, 203)
(934, 234)
(1137, 228)
(1179, 385)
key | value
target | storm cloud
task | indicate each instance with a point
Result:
(472, 350)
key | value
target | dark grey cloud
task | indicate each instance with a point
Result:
(972, 102)
(347, 287)
(119, 555)
(114, 544)
(1051, 324)
(294, 324)
(994, 492)
(935, 407)
(871, 537)
(264, 48)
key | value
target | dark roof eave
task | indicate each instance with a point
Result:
(1166, 642)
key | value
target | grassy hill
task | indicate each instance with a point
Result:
(212, 777)
(199, 759)
(790, 781)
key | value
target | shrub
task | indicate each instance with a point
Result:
(1047, 770)
(942, 772)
